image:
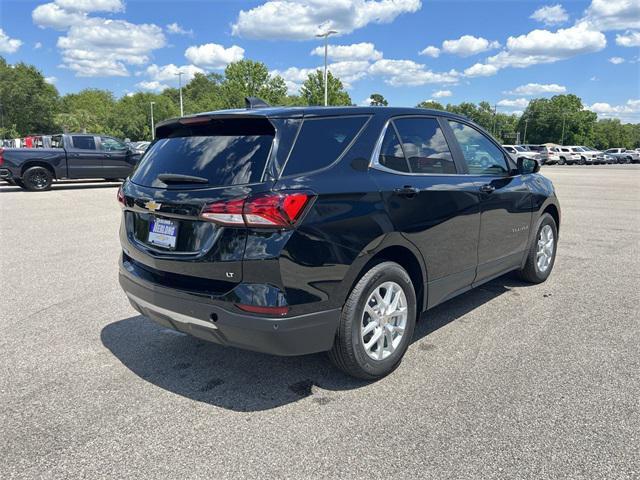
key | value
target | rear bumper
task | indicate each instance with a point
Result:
(198, 316)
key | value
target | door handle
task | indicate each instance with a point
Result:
(487, 188)
(108, 155)
(407, 191)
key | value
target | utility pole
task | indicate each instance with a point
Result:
(564, 116)
(153, 128)
(526, 123)
(326, 46)
(495, 113)
(179, 74)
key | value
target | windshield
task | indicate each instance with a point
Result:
(521, 149)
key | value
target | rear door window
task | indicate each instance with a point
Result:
(424, 146)
(83, 142)
(320, 142)
(225, 152)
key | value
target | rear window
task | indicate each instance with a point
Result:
(225, 152)
(321, 141)
(83, 143)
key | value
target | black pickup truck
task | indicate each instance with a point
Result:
(72, 155)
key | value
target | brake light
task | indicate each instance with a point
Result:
(272, 210)
(120, 196)
(274, 311)
(1, 156)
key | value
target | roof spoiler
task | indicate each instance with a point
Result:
(255, 102)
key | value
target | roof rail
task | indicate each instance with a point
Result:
(255, 102)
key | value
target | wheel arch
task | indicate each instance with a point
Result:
(400, 251)
(37, 163)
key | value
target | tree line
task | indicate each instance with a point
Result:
(30, 105)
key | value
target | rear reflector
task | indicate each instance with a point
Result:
(274, 311)
(271, 210)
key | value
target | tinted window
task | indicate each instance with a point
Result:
(56, 141)
(110, 144)
(424, 145)
(320, 142)
(83, 142)
(510, 149)
(391, 155)
(483, 157)
(226, 152)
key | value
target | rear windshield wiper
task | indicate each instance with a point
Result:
(178, 178)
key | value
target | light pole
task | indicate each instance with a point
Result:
(326, 45)
(153, 128)
(179, 74)
(564, 116)
(526, 122)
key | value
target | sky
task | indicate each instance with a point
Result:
(504, 52)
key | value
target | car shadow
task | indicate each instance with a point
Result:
(63, 185)
(245, 381)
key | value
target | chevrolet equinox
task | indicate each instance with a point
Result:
(291, 231)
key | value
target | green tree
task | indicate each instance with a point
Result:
(377, 100)
(247, 78)
(132, 118)
(313, 90)
(29, 103)
(430, 104)
(89, 110)
(559, 119)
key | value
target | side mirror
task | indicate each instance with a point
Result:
(527, 166)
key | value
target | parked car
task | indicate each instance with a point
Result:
(586, 157)
(76, 155)
(547, 153)
(623, 155)
(140, 147)
(597, 156)
(568, 155)
(299, 230)
(610, 159)
(517, 151)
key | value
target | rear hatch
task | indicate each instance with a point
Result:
(194, 162)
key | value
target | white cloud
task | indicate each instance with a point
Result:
(613, 14)
(468, 45)
(213, 56)
(431, 51)
(91, 5)
(62, 14)
(481, 70)
(37, 46)
(542, 46)
(356, 51)
(629, 39)
(537, 89)
(176, 29)
(7, 44)
(627, 112)
(152, 86)
(550, 15)
(303, 19)
(410, 73)
(347, 71)
(169, 73)
(516, 103)
(51, 80)
(616, 60)
(102, 47)
(442, 93)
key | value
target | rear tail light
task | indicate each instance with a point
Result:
(272, 210)
(1, 156)
(120, 196)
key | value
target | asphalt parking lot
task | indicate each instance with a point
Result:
(506, 381)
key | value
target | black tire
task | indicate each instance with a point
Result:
(37, 179)
(531, 273)
(19, 183)
(562, 161)
(583, 161)
(348, 352)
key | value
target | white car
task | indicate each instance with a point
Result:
(517, 151)
(568, 156)
(623, 155)
(597, 155)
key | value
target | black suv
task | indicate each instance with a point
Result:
(300, 230)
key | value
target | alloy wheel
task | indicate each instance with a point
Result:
(384, 320)
(544, 255)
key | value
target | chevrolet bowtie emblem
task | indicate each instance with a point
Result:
(152, 206)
